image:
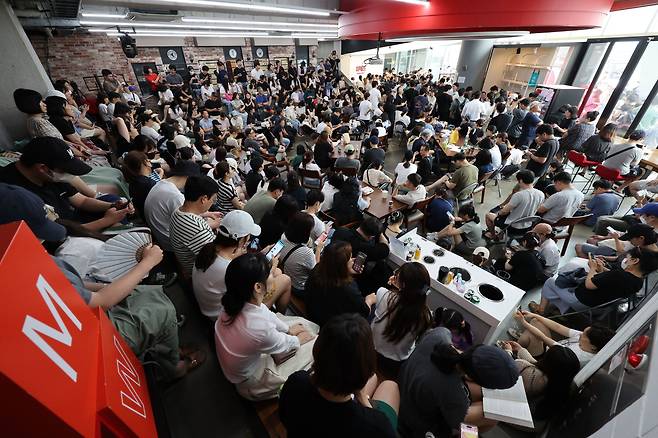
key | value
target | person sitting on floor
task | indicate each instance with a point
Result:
(441, 387)
(536, 336)
(251, 341)
(639, 235)
(401, 317)
(460, 329)
(601, 285)
(331, 289)
(340, 396)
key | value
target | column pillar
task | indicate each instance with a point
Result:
(22, 68)
(473, 62)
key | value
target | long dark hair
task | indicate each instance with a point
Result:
(331, 271)
(560, 365)
(242, 275)
(408, 155)
(132, 165)
(208, 253)
(407, 309)
(453, 321)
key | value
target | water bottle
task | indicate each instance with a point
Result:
(459, 283)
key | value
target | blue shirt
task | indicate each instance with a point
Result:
(437, 218)
(205, 123)
(602, 205)
(261, 98)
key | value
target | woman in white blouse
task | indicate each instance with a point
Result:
(256, 348)
(401, 317)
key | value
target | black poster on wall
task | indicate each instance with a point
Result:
(232, 53)
(260, 52)
(175, 56)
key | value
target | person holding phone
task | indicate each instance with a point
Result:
(331, 290)
(235, 231)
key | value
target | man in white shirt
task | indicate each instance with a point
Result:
(256, 72)
(147, 128)
(416, 191)
(375, 95)
(365, 109)
(562, 204)
(164, 198)
(130, 96)
(474, 108)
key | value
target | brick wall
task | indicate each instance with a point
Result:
(81, 54)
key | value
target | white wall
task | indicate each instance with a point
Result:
(352, 66)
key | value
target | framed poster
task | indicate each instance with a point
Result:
(260, 53)
(232, 53)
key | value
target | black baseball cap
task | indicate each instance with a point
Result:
(641, 230)
(19, 204)
(54, 153)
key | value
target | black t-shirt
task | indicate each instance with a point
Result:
(322, 154)
(372, 248)
(240, 74)
(610, 285)
(374, 154)
(63, 125)
(527, 270)
(212, 104)
(251, 182)
(322, 304)
(139, 189)
(55, 194)
(305, 413)
(548, 149)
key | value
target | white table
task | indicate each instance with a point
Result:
(487, 318)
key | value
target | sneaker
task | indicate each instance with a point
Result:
(514, 333)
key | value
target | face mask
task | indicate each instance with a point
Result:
(624, 263)
(643, 219)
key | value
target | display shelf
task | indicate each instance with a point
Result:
(539, 67)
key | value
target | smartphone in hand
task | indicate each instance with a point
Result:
(359, 262)
(275, 250)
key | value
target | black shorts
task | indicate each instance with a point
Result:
(500, 222)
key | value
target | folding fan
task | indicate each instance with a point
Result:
(119, 255)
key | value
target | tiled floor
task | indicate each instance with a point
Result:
(205, 404)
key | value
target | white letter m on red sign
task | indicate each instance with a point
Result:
(130, 378)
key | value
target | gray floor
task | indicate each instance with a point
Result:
(205, 404)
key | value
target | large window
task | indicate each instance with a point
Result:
(637, 90)
(649, 124)
(614, 66)
(590, 64)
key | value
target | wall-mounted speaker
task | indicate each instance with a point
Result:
(128, 45)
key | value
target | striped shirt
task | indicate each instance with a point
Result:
(188, 233)
(225, 196)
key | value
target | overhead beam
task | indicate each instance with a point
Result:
(30, 23)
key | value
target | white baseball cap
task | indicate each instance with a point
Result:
(238, 223)
(232, 163)
(482, 252)
(182, 141)
(55, 93)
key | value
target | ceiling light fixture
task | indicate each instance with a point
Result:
(168, 25)
(99, 15)
(187, 34)
(416, 2)
(249, 7)
(264, 23)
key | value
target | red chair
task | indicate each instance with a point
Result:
(609, 174)
(580, 161)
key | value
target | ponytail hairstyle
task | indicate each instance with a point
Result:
(242, 276)
(453, 321)
(407, 309)
(592, 115)
(408, 155)
(208, 253)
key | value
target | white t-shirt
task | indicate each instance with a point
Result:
(365, 110)
(403, 172)
(413, 196)
(328, 191)
(150, 133)
(551, 255)
(562, 204)
(161, 202)
(400, 351)
(375, 97)
(209, 287)
(572, 343)
(496, 157)
(515, 157)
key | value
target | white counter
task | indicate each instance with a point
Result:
(487, 315)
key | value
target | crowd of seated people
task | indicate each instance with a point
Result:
(255, 191)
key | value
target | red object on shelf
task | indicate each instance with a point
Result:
(64, 370)
(48, 365)
(365, 19)
(123, 400)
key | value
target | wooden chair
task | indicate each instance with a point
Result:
(314, 175)
(570, 223)
(347, 171)
(417, 212)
